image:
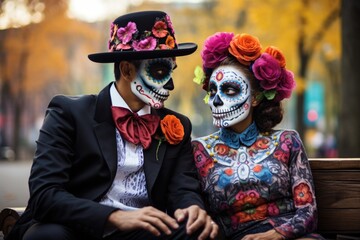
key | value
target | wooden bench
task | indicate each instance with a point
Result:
(337, 186)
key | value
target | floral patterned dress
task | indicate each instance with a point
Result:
(253, 178)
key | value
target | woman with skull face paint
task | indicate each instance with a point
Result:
(119, 165)
(256, 180)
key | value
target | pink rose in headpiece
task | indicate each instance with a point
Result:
(125, 33)
(267, 70)
(286, 85)
(145, 44)
(216, 49)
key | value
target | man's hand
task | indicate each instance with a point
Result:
(197, 219)
(269, 235)
(147, 218)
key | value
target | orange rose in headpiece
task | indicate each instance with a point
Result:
(277, 54)
(245, 48)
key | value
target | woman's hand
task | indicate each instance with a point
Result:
(147, 218)
(269, 235)
(197, 219)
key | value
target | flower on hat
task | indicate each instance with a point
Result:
(168, 20)
(125, 34)
(145, 44)
(160, 29)
(169, 43)
(268, 66)
(129, 38)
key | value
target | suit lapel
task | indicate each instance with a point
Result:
(153, 157)
(105, 129)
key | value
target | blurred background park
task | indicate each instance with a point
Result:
(44, 46)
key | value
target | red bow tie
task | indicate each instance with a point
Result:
(134, 128)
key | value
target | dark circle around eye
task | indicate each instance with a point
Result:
(160, 70)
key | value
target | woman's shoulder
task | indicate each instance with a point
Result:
(211, 137)
(282, 132)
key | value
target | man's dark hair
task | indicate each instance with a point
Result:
(117, 69)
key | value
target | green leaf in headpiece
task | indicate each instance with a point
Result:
(199, 75)
(270, 94)
(206, 98)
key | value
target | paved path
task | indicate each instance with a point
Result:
(13, 183)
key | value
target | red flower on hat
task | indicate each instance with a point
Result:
(160, 29)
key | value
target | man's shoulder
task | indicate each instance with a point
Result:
(73, 99)
(79, 105)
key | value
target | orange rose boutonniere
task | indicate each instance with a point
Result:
(172, 129)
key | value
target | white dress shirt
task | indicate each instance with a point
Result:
(128, 191)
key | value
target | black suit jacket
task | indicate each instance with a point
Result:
(76, 161)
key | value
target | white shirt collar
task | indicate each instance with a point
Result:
(118, 101)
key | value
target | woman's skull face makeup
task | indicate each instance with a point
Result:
(230, 96)
(153, 81)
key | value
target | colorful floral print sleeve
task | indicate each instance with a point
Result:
(250, 179)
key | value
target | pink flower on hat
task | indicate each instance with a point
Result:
(148, 43)
(113, 28)
(121, 46)
(125, 34)
(170, 26)
(267, 70)
(216, 49)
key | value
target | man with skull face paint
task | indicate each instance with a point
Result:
(256, 180)
(119, 165)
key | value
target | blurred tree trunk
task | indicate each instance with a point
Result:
(306, 47)
(349, 122)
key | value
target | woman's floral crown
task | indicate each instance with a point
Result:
(126, 38)
(268, 66)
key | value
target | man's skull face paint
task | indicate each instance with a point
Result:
(153, 82)
(230, 96)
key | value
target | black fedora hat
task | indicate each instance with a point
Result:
(142, 35)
